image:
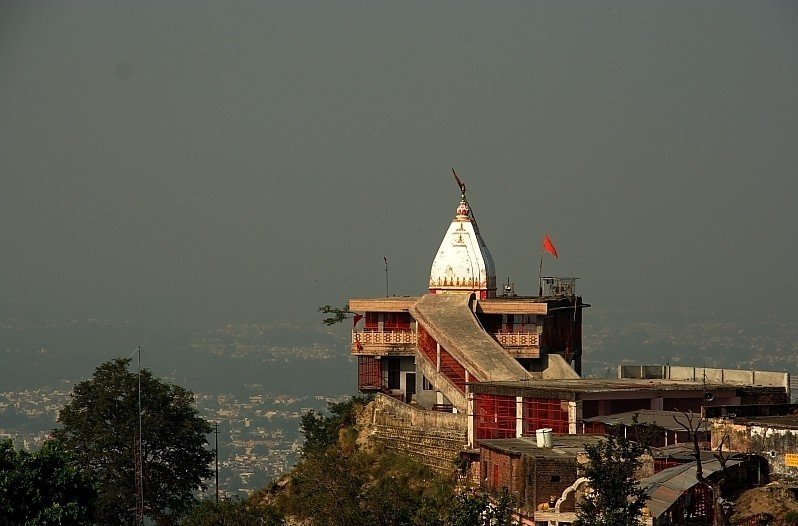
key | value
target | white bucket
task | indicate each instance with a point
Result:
(548, 437)
(539, 435)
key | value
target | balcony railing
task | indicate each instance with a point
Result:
(384, 337)
(517, 339)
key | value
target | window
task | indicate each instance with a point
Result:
(372, 321)
(426, 385)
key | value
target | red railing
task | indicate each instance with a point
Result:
(542, 413)
(494, 416)
(450, 367)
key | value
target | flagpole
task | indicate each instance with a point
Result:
(540, 274)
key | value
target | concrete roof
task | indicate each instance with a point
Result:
(563, 446)
(664, 419)
(571, 388)
(389, 304)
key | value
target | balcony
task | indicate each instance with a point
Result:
(517, 339)
(519, 344)
(384, 343)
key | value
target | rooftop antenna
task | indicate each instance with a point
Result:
(386, 275)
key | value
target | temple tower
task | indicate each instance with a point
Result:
(463, 263)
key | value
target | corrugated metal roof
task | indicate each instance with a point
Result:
(665, 488)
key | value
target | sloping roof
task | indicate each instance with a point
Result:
(448, 318)
(665, 488)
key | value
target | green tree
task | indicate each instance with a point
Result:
(475, 508)
(45, 488)
(326, 489)
(616, 498)
(321, 431)
(100, 426)
(339, 314)
(232, 512)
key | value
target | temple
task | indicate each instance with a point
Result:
(490, 381)
(426, 349)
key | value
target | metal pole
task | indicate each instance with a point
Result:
(216, 431)
(386, 276)
(139, 456)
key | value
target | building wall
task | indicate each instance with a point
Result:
(708, 374)
(763, 395)
(776, 445)
(548, 477)
(499, 469)
(531, 479)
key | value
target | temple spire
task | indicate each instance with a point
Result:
(463, 263)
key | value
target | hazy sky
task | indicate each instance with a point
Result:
(256, 159)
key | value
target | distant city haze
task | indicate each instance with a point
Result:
(214, 162)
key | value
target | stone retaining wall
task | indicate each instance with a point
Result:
(432, 437)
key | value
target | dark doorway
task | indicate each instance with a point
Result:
(394, 374)
(410, 384)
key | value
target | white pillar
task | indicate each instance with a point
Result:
(574, 416)
(519, 416)
(470, 418)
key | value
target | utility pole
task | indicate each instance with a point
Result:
(139, 457)
(216, 432)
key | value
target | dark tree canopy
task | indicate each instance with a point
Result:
(100, 426)
(236, 512)
(45, 488)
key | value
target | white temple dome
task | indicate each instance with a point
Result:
(463, 263)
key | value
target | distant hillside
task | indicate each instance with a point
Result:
(693, 338)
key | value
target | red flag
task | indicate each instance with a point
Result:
(549, 247)
(459, 182)
(358, 317)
